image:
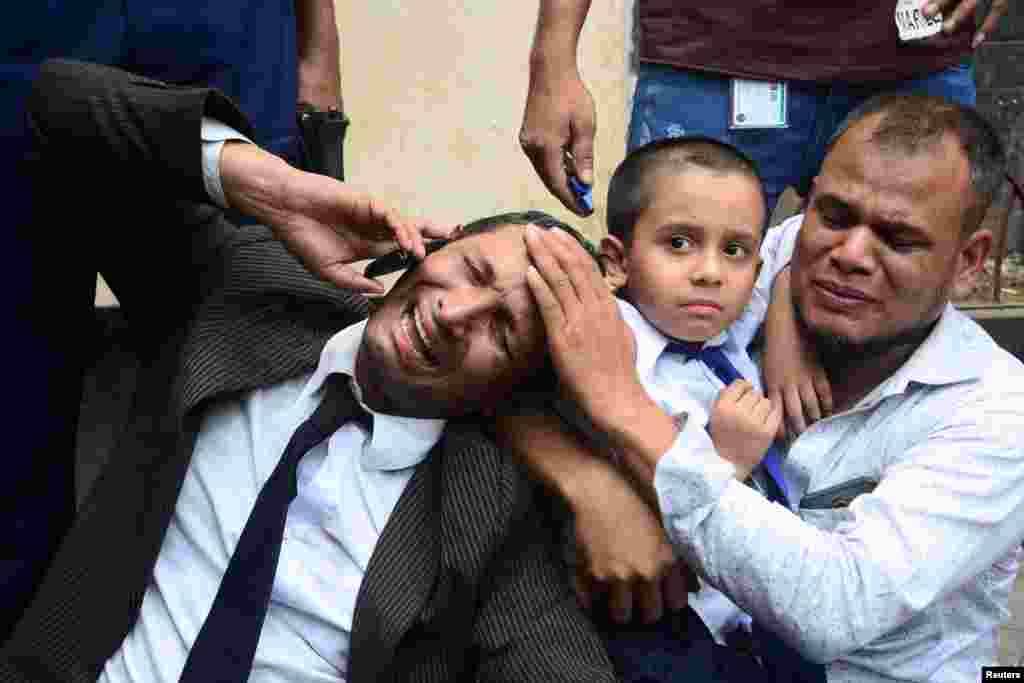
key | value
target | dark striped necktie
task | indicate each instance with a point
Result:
(224, 649)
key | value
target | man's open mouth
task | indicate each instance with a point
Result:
(414, 328)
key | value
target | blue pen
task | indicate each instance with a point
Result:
(582, 192)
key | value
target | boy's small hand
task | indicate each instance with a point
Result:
(743, 424)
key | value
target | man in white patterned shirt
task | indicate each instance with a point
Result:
(899, 563)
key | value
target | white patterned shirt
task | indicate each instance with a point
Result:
(901, 561)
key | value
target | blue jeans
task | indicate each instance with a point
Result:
(672, 102)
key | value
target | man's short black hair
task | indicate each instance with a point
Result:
(910, 124)
(538, 218)
(400, 260)
(630, 188)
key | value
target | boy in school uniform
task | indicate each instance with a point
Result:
(686, 218)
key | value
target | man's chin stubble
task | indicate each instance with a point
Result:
(838, 352)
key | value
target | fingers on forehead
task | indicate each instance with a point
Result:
(537, 249)
(572, 256)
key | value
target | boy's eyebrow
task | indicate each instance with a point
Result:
(731, 233)
(677, 227)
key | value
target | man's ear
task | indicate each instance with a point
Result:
(613, 257)
(971, 258)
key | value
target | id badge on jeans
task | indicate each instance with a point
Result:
(912, 23)
(758, 104)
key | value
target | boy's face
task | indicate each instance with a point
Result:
(694, 256)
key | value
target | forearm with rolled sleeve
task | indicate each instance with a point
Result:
(757, 552)
(949, 507)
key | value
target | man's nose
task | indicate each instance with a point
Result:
(461, 308)
(708, 269)
(855, 254)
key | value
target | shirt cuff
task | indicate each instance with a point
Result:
(213, 135)
(691, 476)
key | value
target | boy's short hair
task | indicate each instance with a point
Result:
(629, 189)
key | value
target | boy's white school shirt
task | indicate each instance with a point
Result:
(681, 386)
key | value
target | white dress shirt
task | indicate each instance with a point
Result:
(348, 487)
(679, 385)
(911, 580)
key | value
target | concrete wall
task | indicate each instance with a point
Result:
(435, 91)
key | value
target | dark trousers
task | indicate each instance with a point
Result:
(679, 648)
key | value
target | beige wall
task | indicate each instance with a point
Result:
(435, 90)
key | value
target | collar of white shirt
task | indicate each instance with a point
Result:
(397, 442)
(957, 350)
(651, 342)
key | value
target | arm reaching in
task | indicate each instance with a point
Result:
(560, 119)
(793, 376)
(319, 61)
(958, 11)
(85, 116)
(623, 549)
(325, 223)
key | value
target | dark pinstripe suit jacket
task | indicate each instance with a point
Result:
(463, 583)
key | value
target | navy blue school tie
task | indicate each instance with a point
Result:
(224, 649)
(715, 358)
